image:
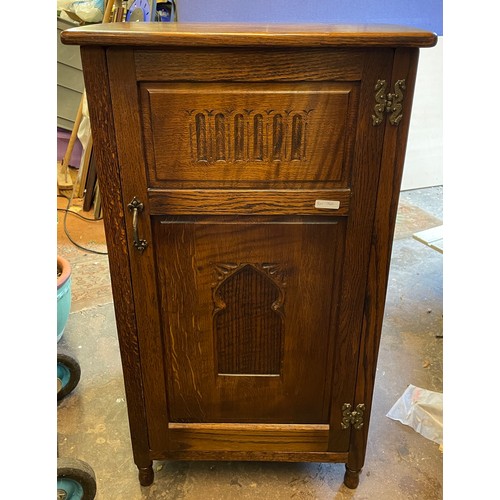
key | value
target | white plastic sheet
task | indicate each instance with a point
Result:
(91, 11)
(84, 132)
(422, 410)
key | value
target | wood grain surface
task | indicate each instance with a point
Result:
(297, 263)
(100, 108)
(395, 140)
(248, 64)
(247, 202)
(142, 265)
(235, 135)
(248, 437)
(234, 35)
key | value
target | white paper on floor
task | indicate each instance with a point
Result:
(422, 410)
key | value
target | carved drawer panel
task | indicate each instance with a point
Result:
(248, 135)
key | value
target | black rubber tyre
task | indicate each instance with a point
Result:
(75, 480)
(68, 374)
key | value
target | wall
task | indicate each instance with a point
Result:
(426, 14)
(424, 159)
(424, 154)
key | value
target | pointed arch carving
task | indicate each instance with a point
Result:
(248, 318)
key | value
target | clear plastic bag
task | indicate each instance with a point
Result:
(422, 410)
(90, 11)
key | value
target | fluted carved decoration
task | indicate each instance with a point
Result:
(248, 135)
(248, 318)
(220, 137)
(201, 137)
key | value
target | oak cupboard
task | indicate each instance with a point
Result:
(250, 178)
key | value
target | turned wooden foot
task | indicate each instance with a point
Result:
(351, 478)
(146, 475)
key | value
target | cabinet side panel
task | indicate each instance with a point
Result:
(405, 67)
(125, 99)
(105, 150)
(365, 175)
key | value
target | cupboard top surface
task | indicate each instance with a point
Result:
(226, 34)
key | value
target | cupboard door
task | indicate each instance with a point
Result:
(248, 316)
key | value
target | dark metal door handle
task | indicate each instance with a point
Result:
(137, 206)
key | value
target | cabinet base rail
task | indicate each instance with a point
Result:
(351, 477)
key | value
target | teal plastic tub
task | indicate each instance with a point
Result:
(63, 294)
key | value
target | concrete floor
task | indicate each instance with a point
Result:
(400, 463)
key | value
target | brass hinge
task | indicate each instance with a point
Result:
(352, 417)
(388, 103)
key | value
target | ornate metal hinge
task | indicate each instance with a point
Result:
(352, 417)
(388, 103)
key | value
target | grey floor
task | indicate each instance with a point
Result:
(400, 463)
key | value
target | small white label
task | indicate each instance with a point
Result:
(331, 204)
